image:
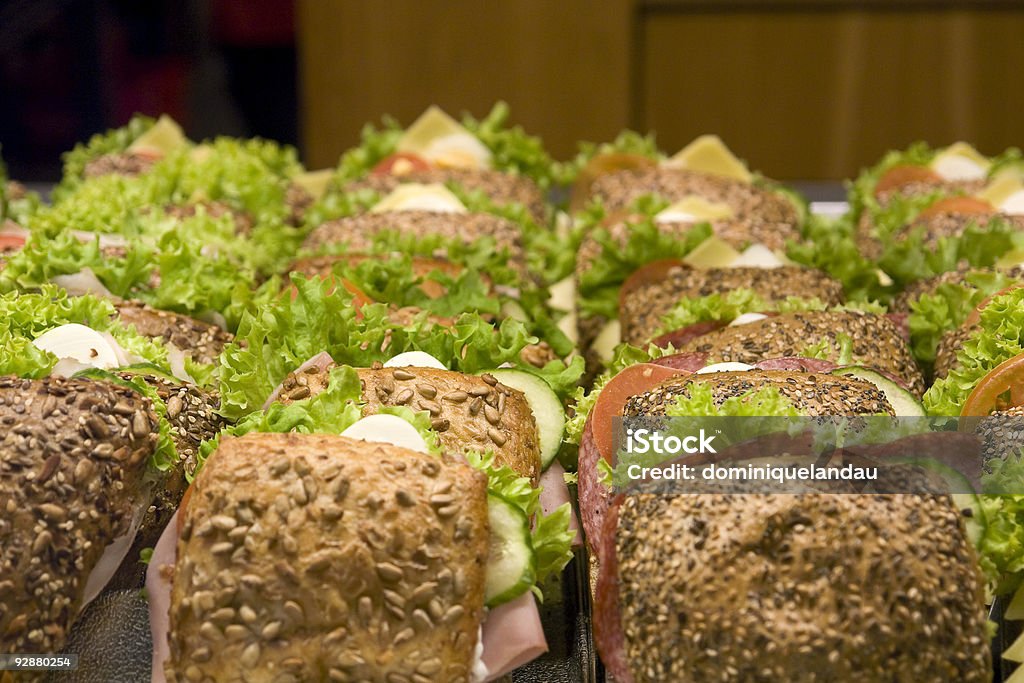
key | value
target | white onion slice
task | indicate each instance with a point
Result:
(79, 343)
(83, 282)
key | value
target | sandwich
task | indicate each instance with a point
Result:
(841, 337)
(719, 594)
(480, 156)
(343, 560)
(468, 412)
(669, 296)
(389, 470)
(74, 469)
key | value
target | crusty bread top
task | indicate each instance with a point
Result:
(202, 340)
(323, 557)
(641, 309)
(801, 588)
(73, 465)
(469, 412)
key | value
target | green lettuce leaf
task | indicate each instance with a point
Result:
(999, 337)
(626, 142)
(933, 315)
(278, 337)
(829, 245)
(111, 142)
(700, 402)
(512, 149)
(25, 316)
(598, 287)
(551, 537)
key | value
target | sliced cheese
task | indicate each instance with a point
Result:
(607, 339)
(1015, 610)
(418, 197)
(1014, 204)
(164, 137)
(315, 182)
(387, 429)
(563, 294)
(708, 154)
(1000, 190)
(960, 161)
(570, 327)
(693, 209)
(713, 252)
(1015, 653)
(443, 141)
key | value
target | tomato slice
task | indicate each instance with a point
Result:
(11, 242)
(1000, 389)
(967, 206)
(975, 315)
(898, 176)
(600, 165)
(636, 379)
(401, 163)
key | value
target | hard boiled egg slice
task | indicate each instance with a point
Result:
(758, 256)
(387, 429)
(960, 161)
(417, 359)
(725, 367)
(443, 141)
(79, 343)
(419, 197)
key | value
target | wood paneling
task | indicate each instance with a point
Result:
(812, 94)
(562, 66)
(803, 89)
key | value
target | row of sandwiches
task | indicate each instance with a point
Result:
(341, 416)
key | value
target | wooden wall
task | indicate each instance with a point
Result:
(804, 89)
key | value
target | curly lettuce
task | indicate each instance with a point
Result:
(276, 338)
(946, 308)
(626, 142)
(999, 336)
(111, 142)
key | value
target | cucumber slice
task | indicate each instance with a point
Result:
(512, 564)
(974, 517)
(547, 409)
(902, 401)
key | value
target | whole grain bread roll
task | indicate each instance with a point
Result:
(469, 412)
(800, 588)
(202, 340)
(357, 232)
(74, 455)
(501, 188)
(642, 306)
(316, 557)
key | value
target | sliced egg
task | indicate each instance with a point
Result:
(724, 367)
(387, 429)
(1014, 204)
(443, 141)
(745, 318)
(758, 256)
(417, 359)
(419, 197)
(79, 343)
(708, 154)
(458, 150)
(960, 161)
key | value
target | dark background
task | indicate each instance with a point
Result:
(71, 68)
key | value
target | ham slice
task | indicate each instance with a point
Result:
(158, 591)
(608, 635)
(554, 493)
(512, 636)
